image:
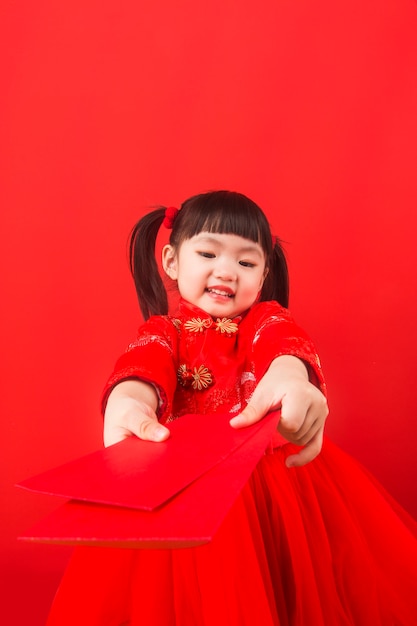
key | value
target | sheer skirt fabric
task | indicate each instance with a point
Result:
(323, 544)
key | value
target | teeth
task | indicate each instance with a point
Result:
(220, 293)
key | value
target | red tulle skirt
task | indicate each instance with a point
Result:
(320, 545)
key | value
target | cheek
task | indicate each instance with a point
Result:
(189, 279)
(254, 286)
(262, 279)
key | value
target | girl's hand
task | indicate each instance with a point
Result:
(130, 411)
(303, 407)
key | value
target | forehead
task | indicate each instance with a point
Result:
(226, 241)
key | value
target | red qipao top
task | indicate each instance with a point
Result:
(200, 364)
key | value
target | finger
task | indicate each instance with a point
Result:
(304, 435)
(301, 419)
(294, 414)
(313, 424)
(250, 415)
(308, 453)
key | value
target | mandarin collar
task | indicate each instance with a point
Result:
(188, 310)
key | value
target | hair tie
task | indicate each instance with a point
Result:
(171, 213)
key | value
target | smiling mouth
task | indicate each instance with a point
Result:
(220, 292)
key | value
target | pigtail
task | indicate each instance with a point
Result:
(276, 285)
(149, 285)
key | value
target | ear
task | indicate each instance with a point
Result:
(169, 261)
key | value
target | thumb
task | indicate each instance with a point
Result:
(150, 429)
(254, 411)
(143, 427)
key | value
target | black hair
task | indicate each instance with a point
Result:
(225, 212)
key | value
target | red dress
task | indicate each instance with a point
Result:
(319, 545)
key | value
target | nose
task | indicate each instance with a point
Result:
(224, 269)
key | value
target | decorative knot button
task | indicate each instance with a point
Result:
(199, 378)
(223, 325)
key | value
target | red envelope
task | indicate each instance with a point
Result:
(142, 474)
(190, 518)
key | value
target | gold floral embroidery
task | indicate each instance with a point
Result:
(198, 378)
(176, 322)
(226, 325)
(196, 324)
(202, 378)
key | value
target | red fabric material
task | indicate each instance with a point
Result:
(236, 360)
(215, 472)
(320, 545)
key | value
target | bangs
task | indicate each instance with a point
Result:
(223, 212)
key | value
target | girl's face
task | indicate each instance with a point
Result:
(219, 273)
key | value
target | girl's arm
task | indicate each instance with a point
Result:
(286, 386)
(131, 409)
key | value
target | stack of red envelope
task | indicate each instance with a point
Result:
(140, 494)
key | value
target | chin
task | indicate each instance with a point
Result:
(225, 313)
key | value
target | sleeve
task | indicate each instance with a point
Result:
(151, 358)
(276, 335)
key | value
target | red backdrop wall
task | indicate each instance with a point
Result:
(111, 107)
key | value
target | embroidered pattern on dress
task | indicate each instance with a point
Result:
(198, 378)
(223, 325)
(171, 418)
(226, 325)
(148, 338)
(272, 319)
(202, 378)
(247, 376)
(197, 325)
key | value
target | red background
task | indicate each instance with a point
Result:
(111, 107)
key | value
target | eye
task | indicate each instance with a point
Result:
(206, 255)
(247, 264)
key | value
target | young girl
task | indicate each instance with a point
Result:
(307, 542)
